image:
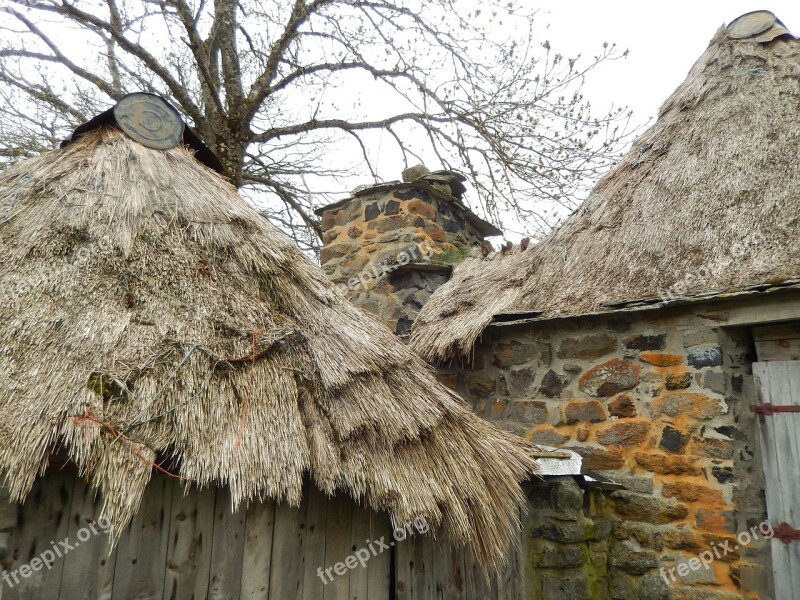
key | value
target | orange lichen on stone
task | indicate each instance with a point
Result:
(421, 208)
(692, 492)
(661, 359)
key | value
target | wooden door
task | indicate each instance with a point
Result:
(778, 385)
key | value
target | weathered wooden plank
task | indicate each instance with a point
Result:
(508, 583)
(287, 570)
(89, 569)
(359, 547)
(337, 545)
(314, 555)
(778, 350)
(422, 562)
(258, 550)
(227, 549)
(781, 331)
(478, 583)
(191, 530)
(404, 565)
(448, 570)
(780, 454)
(380, 565)
(43, 524)
(142, 550)
(793, 426)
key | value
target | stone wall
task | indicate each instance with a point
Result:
(390, 246)
(660, 403)
(566, 541)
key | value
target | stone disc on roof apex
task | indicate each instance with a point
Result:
(707, 198)
(144, 298)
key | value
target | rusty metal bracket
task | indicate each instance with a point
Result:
(771, 409)
(786, 533)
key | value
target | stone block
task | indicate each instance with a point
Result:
(700, 358)
(589, 347)
(558, 587)
(567, 494)
(392, 208)
(599, 459)
(635, 562)
(507, 354)
(559, 557)
(481, 386)
(648, 509)
(371, 211)
(677, 381)
(589, 412)
(552, 384)
(692, 405)
(520, 380)
(329, 253)
(632, 483)
(652, 587)
(668, 465)
(714, 519)
(712, 448)
(682, 538)
(673, 440)
(548, 437)
(692, 492)
(421, 209)
(609, 378)
(646, 342)
(622, 407)
(714, 381)
(569, 532)
(626, 434)
(723, 474)
(529, 411)
(660, 359)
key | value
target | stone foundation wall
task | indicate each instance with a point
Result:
(567, 541)
(660, 403)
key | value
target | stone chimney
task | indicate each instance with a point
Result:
(389, 246)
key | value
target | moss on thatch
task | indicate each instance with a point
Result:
(149, 312)
(707, 198)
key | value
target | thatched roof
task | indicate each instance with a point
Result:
(148, 312)
(707, 198)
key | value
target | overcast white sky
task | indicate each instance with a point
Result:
(664, 39)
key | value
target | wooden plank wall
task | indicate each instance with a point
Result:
(191, 545)
(778, 383)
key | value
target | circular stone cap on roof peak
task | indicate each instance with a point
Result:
(750, 24)
(149, 120)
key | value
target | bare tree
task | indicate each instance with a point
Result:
(295, 95)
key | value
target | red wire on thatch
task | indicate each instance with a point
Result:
(88, 416)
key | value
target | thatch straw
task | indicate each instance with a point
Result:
(707, 198)
(149, 311)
